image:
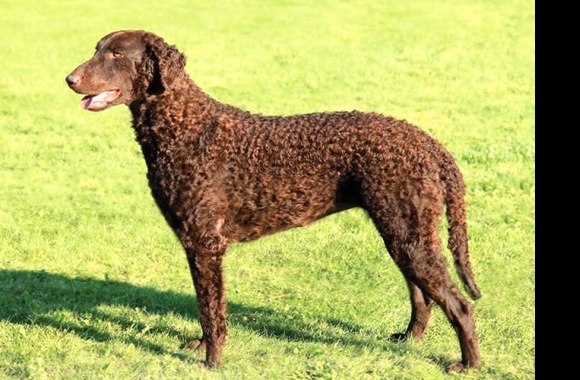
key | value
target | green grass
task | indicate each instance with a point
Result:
(93, 285)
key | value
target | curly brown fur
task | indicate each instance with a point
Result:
(222, 175)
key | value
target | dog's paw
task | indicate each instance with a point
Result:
(457, 367)
(463, 367)
(196, 344)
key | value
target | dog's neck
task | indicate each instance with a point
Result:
(177, 116)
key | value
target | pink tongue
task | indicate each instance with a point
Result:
(88, 100)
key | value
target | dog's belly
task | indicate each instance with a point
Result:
(271, 210)
(247, 228)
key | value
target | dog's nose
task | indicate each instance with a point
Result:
(72, 80)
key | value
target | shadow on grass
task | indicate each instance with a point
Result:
(40, 298)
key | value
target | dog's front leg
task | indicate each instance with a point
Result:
(208, 279)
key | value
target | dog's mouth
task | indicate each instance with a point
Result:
(100, 101)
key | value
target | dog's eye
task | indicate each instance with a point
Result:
(117, 54)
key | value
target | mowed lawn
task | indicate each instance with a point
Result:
(93, 284)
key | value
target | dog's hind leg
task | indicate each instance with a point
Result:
(421, 306)
(423, 266)
(408, 222)
(434, 280)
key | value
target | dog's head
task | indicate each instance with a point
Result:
(127, 66)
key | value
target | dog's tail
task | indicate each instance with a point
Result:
(456, 217)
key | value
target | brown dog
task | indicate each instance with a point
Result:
(222, 175)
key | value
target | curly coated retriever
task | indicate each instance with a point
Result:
(222, 175)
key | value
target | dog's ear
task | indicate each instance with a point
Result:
(163, 62)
